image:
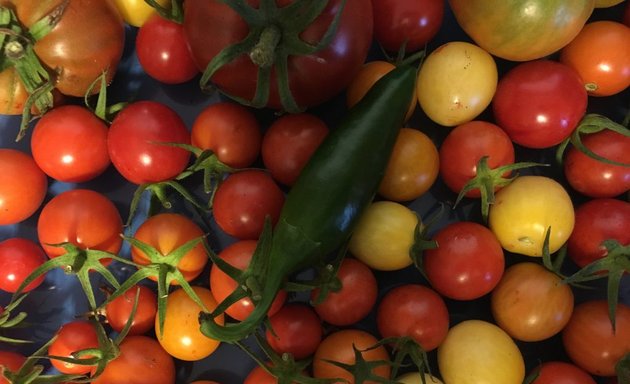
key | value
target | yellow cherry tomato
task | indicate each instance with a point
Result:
(365, 79)
(479, 352)
(413, 167)
(523, 211)
(383, 236)
(136, 12)
(456, 83)
(416, 378)
(182, 338)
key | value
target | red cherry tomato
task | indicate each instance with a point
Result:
(19, 258)
(118, 311)
(23, 186)
(539, 103)
(560, 372)
(296, 329)
(11, 361)
(137, 138)
(243, 200)
(69, 144)
(73, 337)
(162, 51)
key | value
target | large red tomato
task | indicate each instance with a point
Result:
(521, 30)
(310, 77)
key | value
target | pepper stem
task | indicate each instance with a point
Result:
(264, 52)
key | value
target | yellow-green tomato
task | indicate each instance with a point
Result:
(479, 352)
(525, 209)
(456, 83)
(416, 378)
(383, 236)
(136, 12)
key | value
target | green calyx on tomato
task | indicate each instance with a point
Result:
(592, 123)
(622, 368)
(173, 13)
(613, 266)
(487, 180)
(8, 322)
(17, 51)
(274, 35)
(402, 347)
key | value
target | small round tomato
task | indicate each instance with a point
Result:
(600, 56)
(465, 145)
(539, 103)
(23, 186)
(369, 74)
(406, 24)
(296, 329)
(18, 259)
(243, 201)
(162, 51)
(595, 221)
(69, 144)
(85, 218)
(182, 338)
(11, 361)
(595, 178)
(383, 236)
(416, 377)
(289, 143)
(476, 351)
(72, 337)
(413, 167)
(238, 255)
(138, 142)
(118, 311)
(560, 372)
(230, 131)
(258, 375)
(355, 298)
(141, 360)
(590, 341)
(137, 12)
(456, 83)
(166, 232)
(525, 209)
(340, 346)
(416, 311)
(531, 303)
(467, 263)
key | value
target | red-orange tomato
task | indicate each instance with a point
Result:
(83, 217)
(118, 311)
(531, 303)
(238, 255)
(413, 167)
(600, 54)
(560, 372)
(73, 337)
(166, 232)
(23, 186)
(11, 361)
(339, 346)
(141, 360)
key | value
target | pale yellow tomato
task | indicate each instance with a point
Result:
(415, 378)
(383, 236)
(479, 352)
(456, 83)
(136, 12)
(525, 209)
(182, 338)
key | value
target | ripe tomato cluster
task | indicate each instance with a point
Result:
(126, 214)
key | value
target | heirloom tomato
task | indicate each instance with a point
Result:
(78, 57)
(413, 167)
(137, 12)
(524, 210)
(383, 236)
(19, 257)
(589, 338)
(476, 351)
(522, 30)
(23, 186)
(518, 306)
(456, 82)
(83, 217)
(296, 75)
(600, 56)
(182, 338)
(539, 103)
(141, 360)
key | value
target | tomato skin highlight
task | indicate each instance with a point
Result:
(23, 186)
